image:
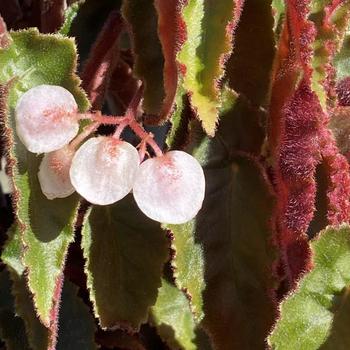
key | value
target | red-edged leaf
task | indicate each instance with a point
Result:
(4, 36)
(338, 172)
(141, 17)
(343, 92)
(46, 225)
(120, 95)
(331, 18)
(210, 27)
(102, 61)
(295, 114)
(125, 253)
(172, 34)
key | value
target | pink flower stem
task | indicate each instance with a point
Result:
(144, 135)
(130, 120)
(122, 121)
(102, 119)
(87, 131)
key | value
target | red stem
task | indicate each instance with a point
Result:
(122, 121)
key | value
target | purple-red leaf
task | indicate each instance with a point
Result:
(4, 36)
(102, 61)
(295, 114)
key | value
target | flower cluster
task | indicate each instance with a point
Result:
(168, 188)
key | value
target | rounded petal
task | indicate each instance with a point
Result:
(46, 118)
(54, 174)
(170, 189)
(103, 169)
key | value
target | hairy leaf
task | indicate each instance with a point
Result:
(130, 250)
(203, 55)
(38, 336)
(231, 238)
(76, 325)
(4, 35)
(315, 310)
(69, 15)
(237, 118)
(340, 126)
(293, 129)
(172, 35)
(46, 225)
(338, 191)
(173, 318)
(102, 60)
(149, 61)
(341, 60)
(188, 264)
(278, 12)
(331, 20)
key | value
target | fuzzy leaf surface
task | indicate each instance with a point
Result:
(231, 243)
(69, 15)
(173, 318)
(315, 310)
(36, 333)
(188, 264)
(331, 20)
(76, 324)
(171, 35)
(203, 55)
(237, 118)
(130, 249)
(47, 225)
(341, 60)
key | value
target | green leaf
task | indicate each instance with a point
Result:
(230, 240)
(317, 308)
(149, 61)
(37, 334)
(69, 15)
(189, 261)
(34, 59)
(330, 28)
(249, 67)
(341, 60)
(209, 41)
(125, 253)
(173, 318)
(278, 12)
(188, 264)
(76, 324)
